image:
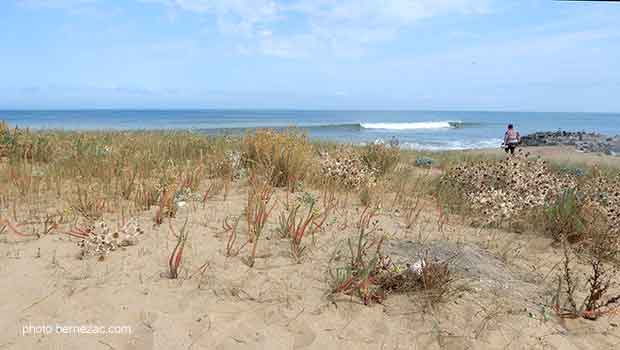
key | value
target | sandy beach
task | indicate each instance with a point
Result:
(309, 175)
(500, 297)
(563, 155)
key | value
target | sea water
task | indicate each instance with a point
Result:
(428, 130)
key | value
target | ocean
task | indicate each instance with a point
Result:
(425, 130)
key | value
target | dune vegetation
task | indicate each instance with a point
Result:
(209, 206)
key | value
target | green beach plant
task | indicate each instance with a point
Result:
(259, 207)
(176, 257)
(565, 217)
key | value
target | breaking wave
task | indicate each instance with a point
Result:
(448, 124)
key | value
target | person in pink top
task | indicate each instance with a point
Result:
(511, 139)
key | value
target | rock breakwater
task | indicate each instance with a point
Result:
(583, 141)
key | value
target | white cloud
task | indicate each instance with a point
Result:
(344, 27)
(394, 12)
(333, 26)
(341, 27)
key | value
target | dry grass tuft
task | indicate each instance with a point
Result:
(379, 158)
(288, 153)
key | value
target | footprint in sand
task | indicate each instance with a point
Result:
(303, 337)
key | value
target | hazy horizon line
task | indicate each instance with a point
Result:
(143, 109)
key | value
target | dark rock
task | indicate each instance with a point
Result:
(583, 141)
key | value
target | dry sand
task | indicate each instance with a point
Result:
(563, 154)
(505, 281)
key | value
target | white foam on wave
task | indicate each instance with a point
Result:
(410, 126)
(452, 145)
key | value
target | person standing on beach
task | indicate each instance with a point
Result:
(511, 139)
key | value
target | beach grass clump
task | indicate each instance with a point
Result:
(573, 170)
(569, 216)
(22, 144)
(258, 208)
(300, 219)
(6, 139)
(223, 159)
(225, 165)
(89, 202)
(596, 203)
(146, 194)
(123, 165)
(287, 152)
(379, 158)
(295, 226)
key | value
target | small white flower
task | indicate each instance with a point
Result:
(417, 266)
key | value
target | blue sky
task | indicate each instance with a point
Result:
(527, 55)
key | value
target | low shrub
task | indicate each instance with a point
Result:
(424, 162)
(345, 169)
(503, 191)
(601, 279)
(515, 191)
